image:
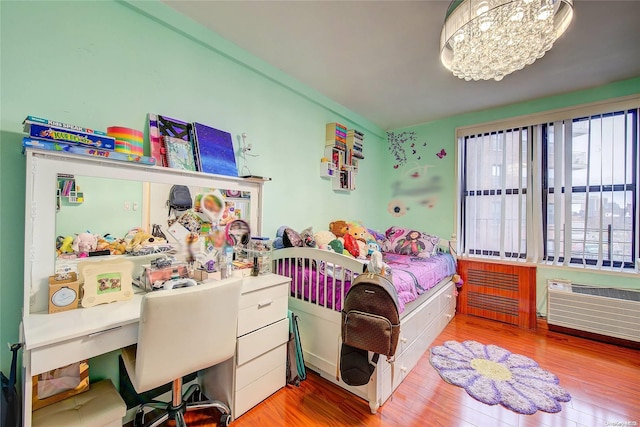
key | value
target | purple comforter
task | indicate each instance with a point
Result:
(412, 276)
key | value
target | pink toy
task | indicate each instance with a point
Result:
(85, 243)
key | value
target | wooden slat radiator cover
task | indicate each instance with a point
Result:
(502, 292)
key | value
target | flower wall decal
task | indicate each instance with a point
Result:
(494, 375)
(397, 208)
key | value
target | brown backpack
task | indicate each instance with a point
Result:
(370, 322)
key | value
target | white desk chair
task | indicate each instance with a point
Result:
(182, 331)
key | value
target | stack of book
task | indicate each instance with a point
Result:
(336, 136)
(57, 136)
(354, 143)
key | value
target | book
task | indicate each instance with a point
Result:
(39, 131)
(155, 141)
(215, 150)
(86, 151)
(34, 119)
(179, 153)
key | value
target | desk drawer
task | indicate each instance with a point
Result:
(259, 390)
(60, 354)
(262, 307)
(259, 342)
(254, 369)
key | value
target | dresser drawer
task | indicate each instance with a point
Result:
(254, 369)
(261, 341)
(262, 307)
(53, 356)
(259, 390)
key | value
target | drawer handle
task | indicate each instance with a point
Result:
(95, 334)
(403, 340)
(403, 369)
(449, 296)
(449, 316)
(264, 304)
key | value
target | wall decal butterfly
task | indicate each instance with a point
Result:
(441, 154)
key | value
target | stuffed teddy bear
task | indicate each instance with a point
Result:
(339, 228)
(323, 237)
(357, 231)
(85, 243)
(141, 239)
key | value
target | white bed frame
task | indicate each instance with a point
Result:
(320, 327)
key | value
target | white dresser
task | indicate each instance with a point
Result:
(259, 368)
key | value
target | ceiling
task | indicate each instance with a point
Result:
(380, 59)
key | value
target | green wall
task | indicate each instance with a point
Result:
(98, 64)
(442, 133)
(107, 63)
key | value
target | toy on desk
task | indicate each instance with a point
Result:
(142, 239)
(85, 243)
(64, 244)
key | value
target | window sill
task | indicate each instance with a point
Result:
(609, 271)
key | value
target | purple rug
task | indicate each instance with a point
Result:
(494, 375)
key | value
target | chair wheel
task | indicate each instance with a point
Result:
(139, 419)
(225, 420)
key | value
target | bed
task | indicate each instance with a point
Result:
(319, 282)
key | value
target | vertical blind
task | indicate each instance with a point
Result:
(494, 189)
(560, 186)
(590, 189)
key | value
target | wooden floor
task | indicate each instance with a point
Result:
(603, 380)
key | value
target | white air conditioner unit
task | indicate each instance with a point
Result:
(599, 310)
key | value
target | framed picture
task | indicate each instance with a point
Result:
(105, 281)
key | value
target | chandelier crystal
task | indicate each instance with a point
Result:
(488, 39)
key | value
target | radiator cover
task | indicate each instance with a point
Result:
(574, 307)
(502, 292)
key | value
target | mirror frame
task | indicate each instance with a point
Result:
(42, 169)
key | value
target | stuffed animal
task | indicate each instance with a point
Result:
(118, 247)
(377, 265)
(357, 231)
(372, 245)
(339, 228)
(323, 238)
(66, 244)
(278, 243)
(336, 246)
(457, 280)
(85, 243)
(141, 239)
(351, 245)
(307, 237)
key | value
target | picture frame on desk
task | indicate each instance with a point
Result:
(105, 281)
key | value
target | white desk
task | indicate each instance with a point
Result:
(55, 340)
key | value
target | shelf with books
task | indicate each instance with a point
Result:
(343, 149)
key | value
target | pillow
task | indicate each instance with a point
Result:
(405, 241)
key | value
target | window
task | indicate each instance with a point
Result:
(559, 186)
(494, 188)
(590, 189)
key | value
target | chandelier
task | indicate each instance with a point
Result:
(488, 39)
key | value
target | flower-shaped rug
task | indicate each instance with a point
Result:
(494, 375)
